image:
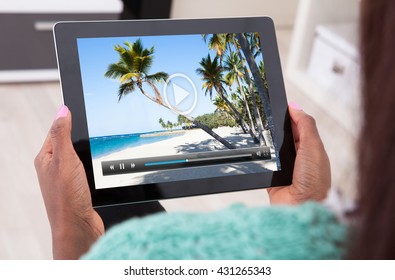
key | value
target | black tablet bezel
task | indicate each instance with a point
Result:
(66, 34)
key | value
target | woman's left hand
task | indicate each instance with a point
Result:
(312, 172)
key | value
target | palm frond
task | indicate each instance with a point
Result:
(116, 71)
(129, 45)
(149, 52)
(157, 77)
(199, 71)
(119, 49)
(128, 77)
(261, 67)
(205, 36)
(127, 59)
(137, 47)
(125, 55)
(146, 64)
(217, 42)
(209, 90)
(229, 78)
(125, 89)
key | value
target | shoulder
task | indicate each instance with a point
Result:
(308, 231)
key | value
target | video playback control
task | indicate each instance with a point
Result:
(184, 161)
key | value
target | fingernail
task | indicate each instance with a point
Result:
(295, 106)
(63, 111)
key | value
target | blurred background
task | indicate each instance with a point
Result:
(318, 42)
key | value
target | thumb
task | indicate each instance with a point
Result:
(304, 127)
(60, 132)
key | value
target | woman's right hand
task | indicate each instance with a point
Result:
(75, 225)
(312, 174)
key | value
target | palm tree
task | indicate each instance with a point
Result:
(221, 105)
(212, 73)
(256, 75)
(221, 44)
(216, 42)
(169, 125)
(132, 70)
(162, 123)
(233, 66)
(260, 84)
(251, 90)
(262, 71)
(184, 122)
(255, 43)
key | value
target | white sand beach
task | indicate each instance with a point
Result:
(195, 140)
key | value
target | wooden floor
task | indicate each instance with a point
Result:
(26, 113)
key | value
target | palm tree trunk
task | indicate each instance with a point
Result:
(212, 133)
(157, 94)
(246, 104)
(257, 76)
(205, 128)
(260, 86)
(242, 126)
(191, 119)
(257, 115)
(258, 118)
(140, 86)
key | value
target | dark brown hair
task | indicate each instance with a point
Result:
(375, 230)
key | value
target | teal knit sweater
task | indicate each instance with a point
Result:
(308, 231)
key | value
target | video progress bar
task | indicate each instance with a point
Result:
(185, 160)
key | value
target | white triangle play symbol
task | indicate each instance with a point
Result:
(179, 94)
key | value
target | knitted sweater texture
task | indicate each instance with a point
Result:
(308, 231)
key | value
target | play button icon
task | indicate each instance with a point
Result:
(181, 96)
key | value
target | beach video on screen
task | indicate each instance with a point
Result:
(179, 107)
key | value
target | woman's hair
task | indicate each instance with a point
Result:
(375, 231)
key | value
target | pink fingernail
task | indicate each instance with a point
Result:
(63, 112)
(295, 106)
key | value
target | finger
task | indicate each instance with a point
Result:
(46, 150)
(295, 130)
(60, 133)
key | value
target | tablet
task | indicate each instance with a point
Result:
(173, 108)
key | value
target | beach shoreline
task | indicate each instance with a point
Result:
(162, 133)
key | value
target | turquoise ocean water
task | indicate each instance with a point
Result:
(102, 146)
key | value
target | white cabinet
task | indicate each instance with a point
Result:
(323, 61)
(334, 62)
(27, 51)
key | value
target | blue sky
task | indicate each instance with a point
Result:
(135, 113)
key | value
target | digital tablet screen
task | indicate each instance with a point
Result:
(174, 108)
(177, 107)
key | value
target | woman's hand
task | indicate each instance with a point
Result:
(75, 225)
(312, 174)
